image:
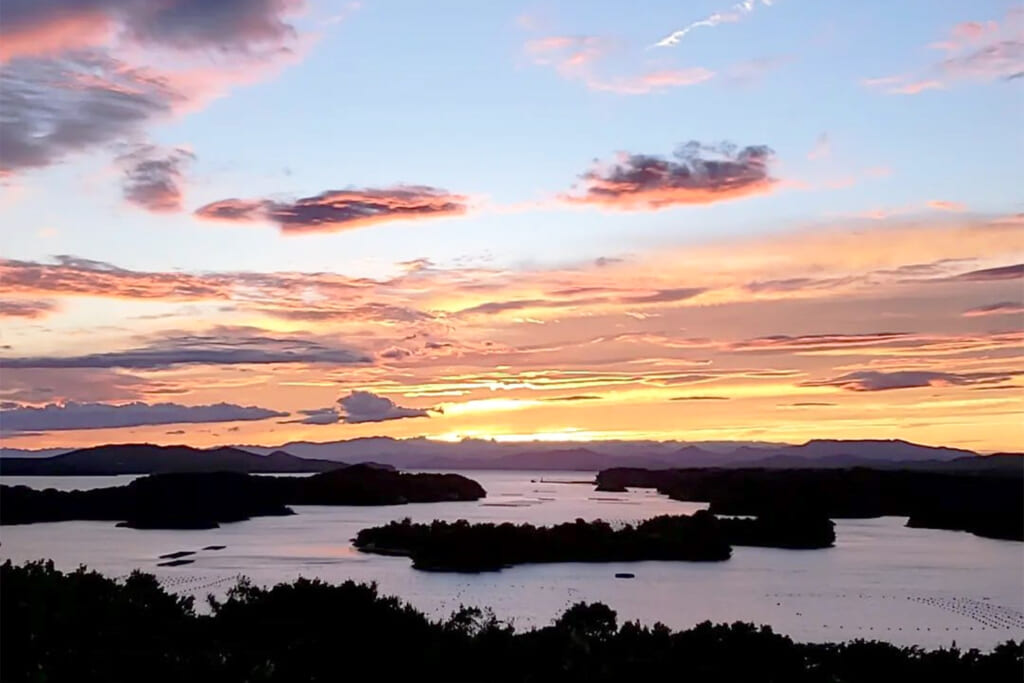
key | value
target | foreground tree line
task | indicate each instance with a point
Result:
(985, 503)
(81, 627)
(461, 546)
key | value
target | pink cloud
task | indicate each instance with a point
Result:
(57, 34)
(975, 52)
(108, 74)
(652, 81)
(336, 210)
(945, 205)
(57, 26)
(916, 87)
(576, 58)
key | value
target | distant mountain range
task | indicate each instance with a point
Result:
(149, 459)
(479, 454)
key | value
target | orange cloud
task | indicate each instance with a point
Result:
(818, 263)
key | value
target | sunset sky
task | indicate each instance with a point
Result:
(257, 221)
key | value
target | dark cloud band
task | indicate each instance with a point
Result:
(336, 210)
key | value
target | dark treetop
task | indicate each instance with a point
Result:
(82, 627)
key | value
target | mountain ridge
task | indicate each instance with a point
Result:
(115, 459)
(305, 456)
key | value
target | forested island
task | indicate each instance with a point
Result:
(204, 500)
(701, 537)
(984, 503)
(84, 627)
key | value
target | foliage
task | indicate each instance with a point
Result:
(82, 627)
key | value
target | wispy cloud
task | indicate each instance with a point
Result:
(1000, 308)
(229, 347)
(578, 58)
(822, 148)
(871, 380)
(947, 205)
(973, 52)
(1014, 272)
(26, 308)
(732, 15)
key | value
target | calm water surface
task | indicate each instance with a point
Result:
(882, 580)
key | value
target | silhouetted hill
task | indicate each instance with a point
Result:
(874, 449)
(150, 459)
(202, 500)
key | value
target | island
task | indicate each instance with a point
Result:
(701, 537)
(984, 502)
(204, 500)
(65, 626)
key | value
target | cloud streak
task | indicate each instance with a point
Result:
(72, 415)
(871, 380)
(337, 210)
(26, 308)
(1000, 308)
(226, 348)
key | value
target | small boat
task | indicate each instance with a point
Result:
(625, 575)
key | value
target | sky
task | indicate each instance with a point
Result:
(259, 221)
